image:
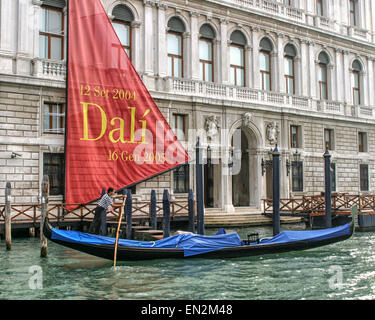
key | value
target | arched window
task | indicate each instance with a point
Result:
(322, 75)
(175, 47)
(356, 82)
(289, 55)
(122, 20)
(265, 63)
(207, 35)
(51, 33)
(237, 58)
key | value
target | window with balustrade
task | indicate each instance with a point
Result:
(323, 61)
(51, 32)
(289, 68)
(237, 58)
(356, 82)
(266, 49)
(206, 52)
(288, 2)
(122, 19)
(176, 28)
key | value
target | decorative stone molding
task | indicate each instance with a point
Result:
(246, 119)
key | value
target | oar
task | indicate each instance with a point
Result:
(118, 229)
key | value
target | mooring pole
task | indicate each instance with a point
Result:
(276, 190)
(153, 219)
(128, 214)
(191, 211)
(44, 200)
(166, 214)
(199, 188)
(8, 218)
(328, 189)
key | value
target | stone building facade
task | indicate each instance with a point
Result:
(299, 74)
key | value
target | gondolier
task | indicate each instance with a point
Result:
(99, 224)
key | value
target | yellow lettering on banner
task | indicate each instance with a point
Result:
(85, 121)
(120, 129)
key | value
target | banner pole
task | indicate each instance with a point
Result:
(66, 96)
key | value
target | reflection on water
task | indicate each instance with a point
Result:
(69, 274)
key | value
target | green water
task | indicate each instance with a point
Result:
(344, 270)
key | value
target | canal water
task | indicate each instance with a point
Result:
(345, 270)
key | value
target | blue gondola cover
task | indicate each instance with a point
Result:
(192, 244)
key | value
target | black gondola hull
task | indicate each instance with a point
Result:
(132, 253)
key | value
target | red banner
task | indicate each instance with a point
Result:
(116, 135)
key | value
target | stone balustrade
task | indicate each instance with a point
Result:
(265, 98)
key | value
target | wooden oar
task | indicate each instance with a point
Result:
(118, 229)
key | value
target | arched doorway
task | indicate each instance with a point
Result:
(241, 178)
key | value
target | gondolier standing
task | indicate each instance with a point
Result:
(99, 224)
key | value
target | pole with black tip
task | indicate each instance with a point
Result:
(166, 214)
(128, 214)
(153, 219)
(328, 189)
(191, 211)
(199, 188)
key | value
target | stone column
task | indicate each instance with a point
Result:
(303, 75)
(136, 37)
(338, 75)
(187, 66)
(364, 83)
(279, 62)
(224, 65)
(249, 66)
(255, 66)
(347, 79)
(148, 37)
(370, 72)
(162, 42)
(195, 70)
(312, 70)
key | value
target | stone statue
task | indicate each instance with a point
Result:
(272, 132)
(211, 126)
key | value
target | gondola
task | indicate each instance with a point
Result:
(188, 245)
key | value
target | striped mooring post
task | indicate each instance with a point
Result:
(166, 214)
(44, 204)
(8, 218)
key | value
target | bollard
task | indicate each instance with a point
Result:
(276, 190)
(166, 214)
(191, 211)
(153, 219)
(128, 214)
(44, 204)
(8, 219)
(199, 189)
(328, 189)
